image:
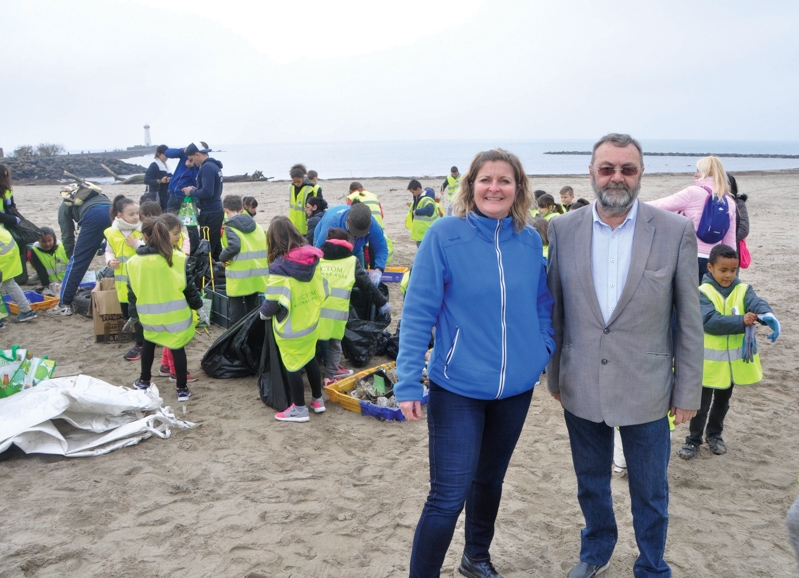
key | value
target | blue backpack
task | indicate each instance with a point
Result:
(715, 221)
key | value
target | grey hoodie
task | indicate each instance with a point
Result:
(238, 223)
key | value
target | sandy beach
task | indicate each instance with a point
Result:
(247, 496)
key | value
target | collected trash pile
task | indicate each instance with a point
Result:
(371, 392)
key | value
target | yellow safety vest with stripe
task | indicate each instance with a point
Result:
(406, 278)
(419, 224)
(371, 201)
(724, 364)
(122, 253)
(10, 264)
(164, 314)
(248, 270)
(551, 215)
(297, 206)
(296, 334)
(452, 186)
(55, 264)
(340, 275)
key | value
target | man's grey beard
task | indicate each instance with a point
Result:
(616, 199)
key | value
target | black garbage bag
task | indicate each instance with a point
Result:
(392, 343)
(24, 234)
(361, 338)
(198, 267)
(273, 384)
(365, 308)
(237, 352)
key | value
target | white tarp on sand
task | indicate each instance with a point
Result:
(93, 417)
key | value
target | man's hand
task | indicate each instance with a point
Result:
(556, 395)
(750, 318)
(412, 410)
(682, 415)
(187, 190)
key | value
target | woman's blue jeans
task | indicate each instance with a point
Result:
(646, 449)
(470, 446)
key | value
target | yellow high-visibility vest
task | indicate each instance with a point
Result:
(419, 224)
(295, 336)
(164, 314)
(371, 201)
(55, 264)
(10, 264)
(248, 270)
(724, 364)
(297, 201)
(452, 186)
(340, 275)
(123, 253)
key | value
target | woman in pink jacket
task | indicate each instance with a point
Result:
(710, 178)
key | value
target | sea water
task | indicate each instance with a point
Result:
(422, 159)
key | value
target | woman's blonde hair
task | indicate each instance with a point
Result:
(463, 200)
(712, 167)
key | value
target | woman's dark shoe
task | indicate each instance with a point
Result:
(477, 568)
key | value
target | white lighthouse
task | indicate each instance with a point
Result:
(146, 135)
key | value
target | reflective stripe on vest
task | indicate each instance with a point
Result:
(10, 263)
(295, 336)
(163, 312)
(248, 269)
(724, 364)
(122, 253)
(340, 275)
(452, 185)
(297, 202)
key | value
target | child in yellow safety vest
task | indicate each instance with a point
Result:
(343, 271)
(160, 299)
(49, 259)
(294, 296)
(548, 208)
(124, 237)
(730, 310)
(180, 242)
(10, 252)
(244, 255)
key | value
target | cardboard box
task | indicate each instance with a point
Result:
(107, 314)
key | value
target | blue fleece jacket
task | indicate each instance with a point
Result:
(474, 280)
(183, 176)
(209, 186)
(336, 217)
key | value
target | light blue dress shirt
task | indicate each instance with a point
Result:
(611, 253)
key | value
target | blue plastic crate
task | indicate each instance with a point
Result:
(386, 413)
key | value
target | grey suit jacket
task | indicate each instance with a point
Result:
(621, 372)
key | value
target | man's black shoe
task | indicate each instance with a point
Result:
(586, 570)
(477, 569)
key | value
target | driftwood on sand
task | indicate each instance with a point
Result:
(247, 178)
(131, 180)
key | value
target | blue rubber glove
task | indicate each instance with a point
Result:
(385, 308)
(771, 321)
(375, 275)
(749, 347)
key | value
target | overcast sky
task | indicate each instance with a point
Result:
(90, 74)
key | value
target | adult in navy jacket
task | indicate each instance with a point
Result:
(207, 194)
(363, 227)
(185, 175)
(479, 278)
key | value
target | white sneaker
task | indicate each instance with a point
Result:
(64, 310)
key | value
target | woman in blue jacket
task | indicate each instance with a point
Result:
(479, 278)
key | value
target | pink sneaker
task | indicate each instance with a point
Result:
(318, 405)
(342, 372)
(293, 413)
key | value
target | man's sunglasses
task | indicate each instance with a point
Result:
(610, 171)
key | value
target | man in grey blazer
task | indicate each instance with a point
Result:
(618, 270)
